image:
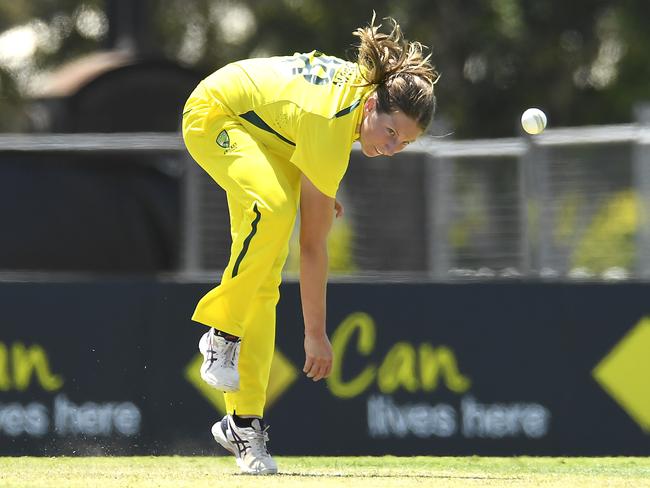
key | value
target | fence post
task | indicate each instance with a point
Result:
(190, 242)
(527, 198)
(439, 181)
(536, 211)
(641, 162)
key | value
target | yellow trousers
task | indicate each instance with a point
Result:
(263, 192)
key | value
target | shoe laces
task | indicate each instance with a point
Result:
(257, 440)
(223, 350)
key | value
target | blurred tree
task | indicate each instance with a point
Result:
(36, 36)
(583, 62)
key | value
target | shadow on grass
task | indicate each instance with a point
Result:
(388, 476)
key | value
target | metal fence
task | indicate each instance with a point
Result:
(568, 204)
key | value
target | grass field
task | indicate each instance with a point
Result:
(307, 472)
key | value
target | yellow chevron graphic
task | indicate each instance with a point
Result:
(623, 373)
(283, 374)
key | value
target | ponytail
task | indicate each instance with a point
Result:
(402, 73)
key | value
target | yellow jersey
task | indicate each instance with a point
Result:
(306, 108)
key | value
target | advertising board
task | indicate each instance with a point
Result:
(419, 369)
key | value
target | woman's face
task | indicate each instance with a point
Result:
(385, 134)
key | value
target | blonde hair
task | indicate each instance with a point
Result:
(403, 74)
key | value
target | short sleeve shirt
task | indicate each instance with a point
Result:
(305, 107)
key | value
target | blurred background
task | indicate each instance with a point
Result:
(583, 62)
(506, 274)
(476, 198)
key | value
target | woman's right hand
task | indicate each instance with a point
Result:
(316, 214)
(318, 356)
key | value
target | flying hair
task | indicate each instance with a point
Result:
(402, 73)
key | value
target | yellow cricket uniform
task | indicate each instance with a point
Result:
(255, 126)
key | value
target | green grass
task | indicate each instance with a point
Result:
(307, 472)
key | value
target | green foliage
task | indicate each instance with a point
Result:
(609, 240)
(584, 61)
(567, 219)
(56, 37)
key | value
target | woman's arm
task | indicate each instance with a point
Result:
(316, 214)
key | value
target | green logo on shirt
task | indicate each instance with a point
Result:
(223, 140)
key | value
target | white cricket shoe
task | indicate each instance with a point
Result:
(220, 357)
(248, 444)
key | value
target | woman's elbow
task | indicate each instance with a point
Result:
(311, 245)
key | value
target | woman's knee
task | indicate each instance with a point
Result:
(279, 211)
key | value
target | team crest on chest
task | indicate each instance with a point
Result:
(223, 139)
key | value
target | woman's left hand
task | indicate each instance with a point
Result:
(338, 209)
